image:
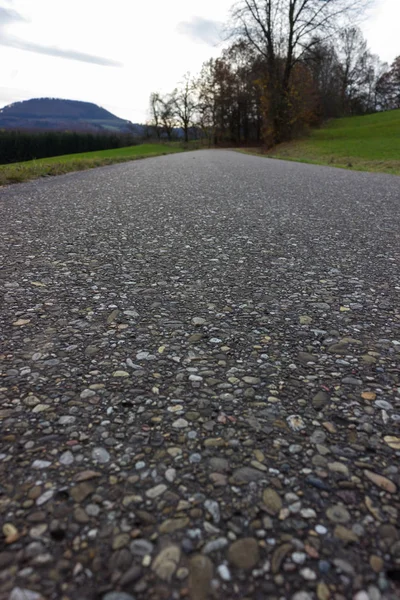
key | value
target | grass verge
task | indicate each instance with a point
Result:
(367, 143)
(58, 165)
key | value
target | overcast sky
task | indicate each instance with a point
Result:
(116, 53)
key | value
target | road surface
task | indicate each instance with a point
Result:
(200, 383)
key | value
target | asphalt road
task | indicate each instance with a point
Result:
(199, 395)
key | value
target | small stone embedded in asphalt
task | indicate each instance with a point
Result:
(320, 400)
(66, 458)
(299, 558)
(92, 510)
(224, 573)
(272, 501)
(156, 491)
(170, 475)
(66, 420)
(100, 455)
(338, 514)
(321, 529)
(141, 547)
(24, 594)
(87, 393)
(81, 491)
(172, 525)
(200, 575)
(120, 541)
(212, 507)
(215, 545)
(195, 458)
(296, 422)
(120, 374)
(180, 424)
(166, 562)
(200, 392)
(45, 497)
(308, 574)
(244, 553)
(246, 475)
(198, 321)
(352, 381)
(382, 482)
(40, 464)
(118, 596)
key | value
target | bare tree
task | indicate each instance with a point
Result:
(167, 114)
(395, 74)
(206, 104)
(375, 70)
(155, 112)
(323, 62)
(354, 59)
(185, 104)
(388, 87)
(282, 31)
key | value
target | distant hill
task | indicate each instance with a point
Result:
(53, 114)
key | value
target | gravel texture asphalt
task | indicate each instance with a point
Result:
(199, 394)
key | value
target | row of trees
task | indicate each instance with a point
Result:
(290, 64)
(388, 87)
(16, 146)
(173, 110)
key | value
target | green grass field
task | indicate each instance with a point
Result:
(368, 143)
(57, 165)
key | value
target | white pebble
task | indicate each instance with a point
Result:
(92, 534)
(44, 497)
(40, 464)
(299, 558)
(66, 458)
(302, 596)
(24, 594)
(100, 455)
(156, 491)
(321, 530)
(180, 424)
(362, 595)
(198, 321)
(66, 420)
(212, 507)
(170, 475)
(224, 573)
(87, 393)
(146, 562)
(195, 378)
(308, 574)
(308, 513)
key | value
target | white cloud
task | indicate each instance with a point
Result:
(9, 17)
(202, 30)
(14, 42)
(382, 29)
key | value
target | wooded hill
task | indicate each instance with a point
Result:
(53, 114)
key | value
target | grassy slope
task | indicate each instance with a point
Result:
(57, 165)
(368, 143)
